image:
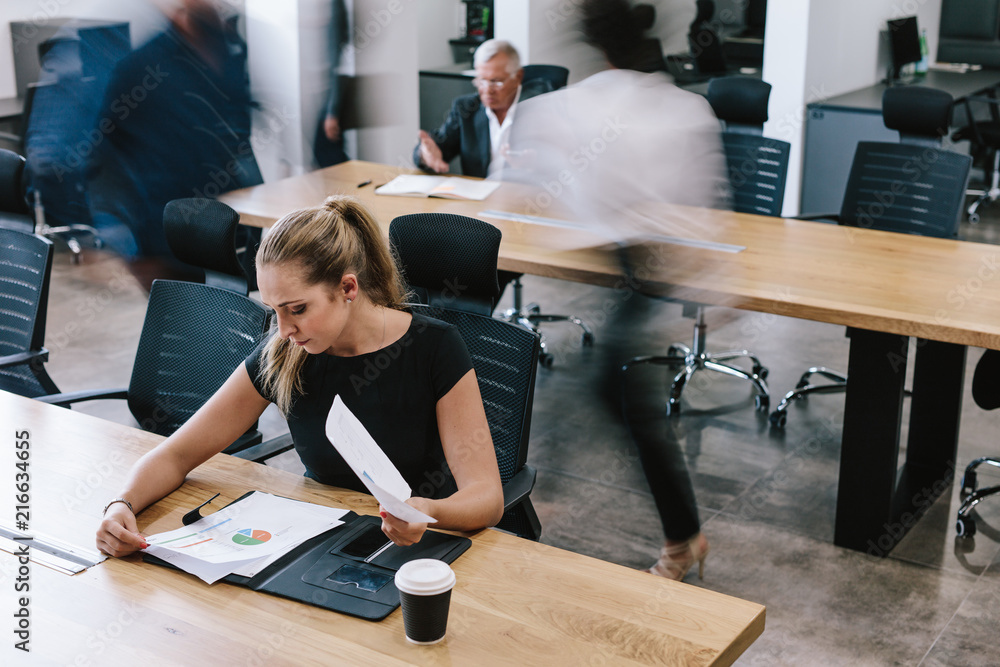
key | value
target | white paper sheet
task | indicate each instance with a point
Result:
(260, 527)
(349, 436)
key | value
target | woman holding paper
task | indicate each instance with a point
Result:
(341, 330)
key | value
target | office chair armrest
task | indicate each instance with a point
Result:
(66, 399)
(24, 358)
(518, 487)
(265, 450)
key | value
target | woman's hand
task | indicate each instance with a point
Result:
(118, 535)
(402, 532)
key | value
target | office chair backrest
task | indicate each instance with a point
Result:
(556, 75)
(986, 381)
(192, 339)
(757, 169)
(450, 261)
(740, 102)
(505, 357)
(906, 188)
(12, 183)
(206, 233)
(25, 270)
(921, 115)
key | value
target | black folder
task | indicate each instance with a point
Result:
(349, 569)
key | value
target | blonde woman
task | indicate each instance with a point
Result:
(340, 329)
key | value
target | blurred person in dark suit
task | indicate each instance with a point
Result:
(329, 145)
(175, 123)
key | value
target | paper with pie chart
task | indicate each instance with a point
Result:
(352, 440)
(245, 535)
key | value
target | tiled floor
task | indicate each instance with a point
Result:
(766, 498)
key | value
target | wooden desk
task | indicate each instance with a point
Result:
(516, 602)
(886, 286)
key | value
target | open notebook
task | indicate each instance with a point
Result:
(412, 185)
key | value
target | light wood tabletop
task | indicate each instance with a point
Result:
(886, 286)
(936, 289)
(516, 602)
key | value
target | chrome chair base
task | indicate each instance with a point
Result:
(965, 524)
(987, 195)
(531, 316)
(695, 358)
(804, 388)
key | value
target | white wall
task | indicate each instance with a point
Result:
(385, 54)
(817, 49)
(143, 17)
(439, 21)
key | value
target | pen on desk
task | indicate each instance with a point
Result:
(364, 183)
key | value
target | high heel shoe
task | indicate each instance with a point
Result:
(676, 559)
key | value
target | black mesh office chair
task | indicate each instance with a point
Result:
(25, 271)
(889, 189)
(16, 213)
(206, 234)
(757, 167)
(984, 137)
(192, 338)
(986, 393)
(14, 210)
(531, 315)
(450, 261)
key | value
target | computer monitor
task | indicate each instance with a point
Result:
(904, 43)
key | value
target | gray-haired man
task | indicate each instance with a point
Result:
(477, 126)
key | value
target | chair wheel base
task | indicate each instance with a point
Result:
(778, 419)
(546, 360)
(761, 403)
(965, 526)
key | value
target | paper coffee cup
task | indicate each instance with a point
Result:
(425, 593)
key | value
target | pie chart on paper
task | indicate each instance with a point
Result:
(251, 537)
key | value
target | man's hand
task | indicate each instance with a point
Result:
(430, 154)
(118, 534)
(331, 128)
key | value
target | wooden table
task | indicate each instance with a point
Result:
(516, 602)
(887, 287)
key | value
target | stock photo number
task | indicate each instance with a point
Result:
(22, 518)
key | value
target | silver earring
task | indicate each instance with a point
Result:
(349, 300)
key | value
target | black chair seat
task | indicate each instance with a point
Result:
(192, 339)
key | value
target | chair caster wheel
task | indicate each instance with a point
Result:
(973, 218)
(965, 526)
(969, 483)
(778, 419)
(761, 402)
(587, 339)
(546, 359)
(761, 372)
(673, 409)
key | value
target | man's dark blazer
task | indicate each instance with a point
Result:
(466, 131)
